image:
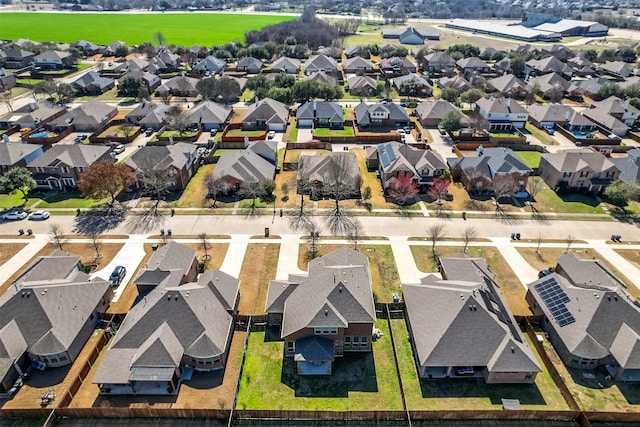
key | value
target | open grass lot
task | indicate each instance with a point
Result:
(531, 158)
(347, 131)
(548, 257)
(597, 394)
(384, 273)
(134, 28)
(360, 382)
(511, 288)
(468, 394)
(548, 200)
(8, 250)
(258, 268)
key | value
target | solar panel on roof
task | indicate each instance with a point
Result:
(555, 298)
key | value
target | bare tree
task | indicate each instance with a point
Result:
(253, 190)
(56, 235)
(538, 243)
(95, 243)
(569, 240)
(534, 186)
(503, 186)
(435, 233)
(5, 96)
(205, 246)
(468, 235)
(339, 185)
(215, 188)
(177, 120)
(314, 231)
(356, 232)
(156, 182)
(300, 220)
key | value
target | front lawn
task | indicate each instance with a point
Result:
(15, 200)
(258, 268)
(530, 158)
(360, 381)
(468, 394)
(293, 134)
(347, 131)
(549, 201)
(69, 199)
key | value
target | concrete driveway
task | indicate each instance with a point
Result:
(442, 144)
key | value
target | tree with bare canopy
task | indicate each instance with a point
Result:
(339, 186)
(435, 233)
(403, 188)
(503, 186)
(252, 189)
(156, 182)
(105, 178)
(215, 187)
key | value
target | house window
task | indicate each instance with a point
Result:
(325, 331)
(64, 169)
(291, 345)
(584, 174)
(39, 169)
(580, 184)
(80, 169)
(356, 341)
(216, 359)
(566, 174)
(347, 341)
(610, 174)
(69, 182)
(363, 341)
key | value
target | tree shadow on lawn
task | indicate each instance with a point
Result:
(602, 380)
(528, 394)
(99, 220)
(353, 372)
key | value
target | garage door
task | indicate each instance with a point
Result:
(276, 126)
(305, 123)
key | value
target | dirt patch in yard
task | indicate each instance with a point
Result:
(8, 250)
(259, 267)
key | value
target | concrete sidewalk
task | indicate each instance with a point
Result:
(232, 263)
(526, 274)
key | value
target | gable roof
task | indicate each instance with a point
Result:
(629, 167)
(267, 109)
(318, 168)
(320, 109)
(549, 81)
(211, 64)
(335, 293)
(619, 68)
(507, 83)
(587, 272)
(321, 63)
(556, 113)
(51, 55)
(33, 112)
(615, 105)
(471, 62)
(603, 118)
(469, 325)
(93, 78)
(501, 106)
(76, 155)
(244, 166)
(434, 109)
(394, 156)
(160, 157)
(285, 63)
(209, 112)
(250, 62)
(550, 64)
(357, 62)
(394, 111)
(359, 82)
(12, 152)
(91, 113)
(492, 161)
(459, 83)
(168, 266)
(578, 160)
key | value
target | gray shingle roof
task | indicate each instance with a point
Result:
(434, 109)
(77, 155)
(91, 113)
(550, 81)
(160, 157)
(33, 112)
(209, 112)
(501, 106)
(336, 292)
(269, 110)
(321, 63)
(168, 266)
(93, 78)
(507, 83)
(319, 169)
(629, 167)
(12, 152)
(578, 160)
(244, 166)
(285, 63)
(357, 62)
(211, 64)
(320, 110)
(493, 160)
(394, 111)
(587, 272)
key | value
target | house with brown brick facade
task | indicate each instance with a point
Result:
(584, 168)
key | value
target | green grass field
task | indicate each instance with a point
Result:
(178, 28)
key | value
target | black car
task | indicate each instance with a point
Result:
(117, 275)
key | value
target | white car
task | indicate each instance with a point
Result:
(39, 215)
(118, 149)
(271, 134)
(15, 215)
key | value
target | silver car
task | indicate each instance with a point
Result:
(14, 215)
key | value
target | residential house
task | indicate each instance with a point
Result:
(53, 60)
(113, 47)
(393, 159)
(325, 313)
(199, 51)
(362, 85)
(502, 113)
(318, 175)
(581, 66)
(618, 69)
(32, 115)
(177, 330)
(7, 79)
(412, 85)
(170, 60)
(61, 166)
(548, 84)
(353, 51)
(431, 113)
(320, 114)
(438, 63)
(380, 116)
(549, 115)
(509, 86)
(87, 47)
(266, 114)
(179, 161)
(589, 87)
(561, 52)
(209, 115)
(14, 57)
(494, 170)
(471, 332)
(503, 66)
(149, 81)
(88, 117)
(321, 63)
(92, 83)
(410, 35)
(284, 64)
(170, 265)
(179, 86)
(582, 168)
(629, 166)
(48, 315)
(256, 163)
(472, 65)
(134, 64)
(620, 109)
(396, 66)
(140, 112)
(249, 65)
(156, 118)
(320, 77)
(589, 324)
(357, 65)
(550, 64)
(332, 51)
(601, 117)
(458, 83)
(14, 154)
(210, 66)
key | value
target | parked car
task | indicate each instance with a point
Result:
(549, 130)
(148, 132)
(400, 131)
(118, 149)
(442, 131)
(117, 275)
(271, 134)
(39, 215)
(14, 215)
(213, 132)
(407, 129)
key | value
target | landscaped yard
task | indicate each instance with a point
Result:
(258, 268)
(512, 290)
(292, 156)
(186, 134)
(360, 382)
(531, 158)
(195, 194)
(469, 394)
(548, 200)
(119, 131)
(384, 273)
(346, 131)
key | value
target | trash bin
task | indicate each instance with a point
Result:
(29, 231)
(266, 232)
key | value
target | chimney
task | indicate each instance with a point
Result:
(566, 115)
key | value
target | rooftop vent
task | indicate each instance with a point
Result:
(326, 312)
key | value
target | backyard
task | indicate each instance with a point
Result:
(359, 382)
(119, 131)
(346, 131)
(248, 133)
(530, 158)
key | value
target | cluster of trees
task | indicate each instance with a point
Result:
(55, 91)
(620, 192)
(224, 89)
(285, 88)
